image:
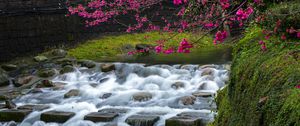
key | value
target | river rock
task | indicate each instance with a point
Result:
(87, 63)
(9, 104)
(142, 120)
(67, 69)
(3, 97)
(188, 100)
(13, 115)
(208, 66)
(4, 79)
(142, 96)
(45, 84)
(113, 110)
(72, 93)
(177, 85)
(45, 73)
(36, 90)
(56, 116)
(34, 107)
(106, 95)
(22, 80)
(66, 61)
(202, 86)
(107, 67)
(101, 117)
(59, 53)
(185, 120)
(202, 94)
(59, 86)
(103, 80)
(207, 71)
(9, 67)
(40, 58)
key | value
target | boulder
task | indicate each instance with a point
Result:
(34, 107)
(142, 96)
(188, 100)
(177, 85)
(36, 90)
(207, 71)
(202, 94)
(101, 116)
(9, 104)
(113, 110)
(103, 80)
(40, 58)
(13, 115)
(22, 80)
(58, 86)
(59, 53)
(45, 73)
(107, 67)
(184, 121)
(9, 67)
(72, 93)
(67, 69)
(106, 95)
(87, 63)
(4, 79)
(202, 86)
(56, 116)
(142, 120)
(45, 84)
(66, 61)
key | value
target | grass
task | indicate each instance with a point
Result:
(111, 46)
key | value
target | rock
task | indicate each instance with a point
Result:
(34, 107)
(66, 61)
(101, 116)
(184, 121)
(202, 94)
(9, 104)
(106, 95)
(3, 98)
(142, 120)
(9, 67)
(40, 58)
(45, 84)
(72, 93)
(87, 63)
(202, 86)
(188, 100)
(22, 81)
(67, 69)
(227, 67)
(177, 85)
(56, 116)
(143, 47)
(113, 110)
(103, 80)
(4, 79)
(35, 90)
(111, 124)
(13, 115)
(142, 96)
(208, 66)
(59, 53)
(58, 86)
(207, 71)
(46, 73)
(107, 67)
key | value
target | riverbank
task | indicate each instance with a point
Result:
(262, 88)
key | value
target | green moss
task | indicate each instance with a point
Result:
(257, 74)
(110, 46)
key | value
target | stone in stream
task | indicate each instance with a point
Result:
(22, 80)
(113, 110)
(40, 58)
(72, 93)
(34, 107)
(184, 121)
(4, 79)
(101, 116)
(3, 98)
(177, 85)
(45, 84)
(203, 94)
(142, 96)
(188, 100)
(208, 66)
(207, 71)
(56, 116)
(87, 63)
(45, 73)
(67, 69)
(106, 95)
(142, 120)
(107, 67)
(10, 105)
(13, 115)
(9, 67)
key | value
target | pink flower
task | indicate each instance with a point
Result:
(184, 46)
(169, 51)
(283, 37)
(298, 34)
(158, 49)
(298, 86)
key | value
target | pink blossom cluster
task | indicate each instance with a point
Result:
(220, 36)
(178, 2)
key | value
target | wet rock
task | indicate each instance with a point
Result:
(183, 120)
(9, 104)
(188, 100)
(35, 90)
(59, 53)
(66, 61)
(106, 95)
(111, 124)
(45, 84)
(40, 58)
(4, 79)
(177, 85)
(207, 71)
(67, 69)
(34, 107)
(202, 94)
(202, 86)
(9, 67)
(94, 85)
(13, 115)
(142, 96)
(72, 93)
(56, 116)
(46, 73)
(208, 66)
(22, 81)
(227, 67)
(113, 110)
(107, 67)
(87, 63)
(142, 120)
(58, 86)
(103, 80)
(101, 116)
(3, 97)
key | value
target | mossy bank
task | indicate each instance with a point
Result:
(262, 89)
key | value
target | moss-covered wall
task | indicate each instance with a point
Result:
(261, 91)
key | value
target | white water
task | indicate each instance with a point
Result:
(126, 80)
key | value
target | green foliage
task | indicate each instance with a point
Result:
(256, 74)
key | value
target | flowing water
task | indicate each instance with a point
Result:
(123, 83)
